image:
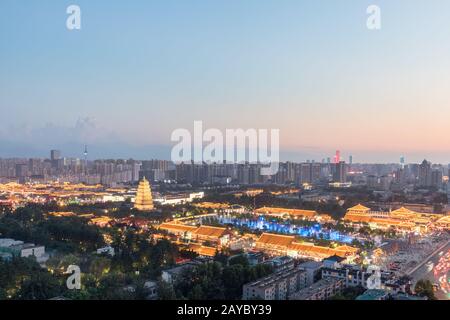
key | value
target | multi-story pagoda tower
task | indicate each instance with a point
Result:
(143, 201)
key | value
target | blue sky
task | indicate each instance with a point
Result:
(137, 70)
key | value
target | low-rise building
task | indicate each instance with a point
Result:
(287, 245)
(281, 263)
(106, 250)
(23, 250)
(277, 286)
(380, 294)
(151, 289)
(374, 294)
(401, 219)
(176, 199)
(5, 256)
(313, 271)
(320, 290)
(102, 221)
(218, 235)
(170, 275)
(353, 276)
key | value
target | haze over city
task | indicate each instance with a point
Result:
(136, 72)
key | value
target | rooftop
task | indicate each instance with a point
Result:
(373, 294)
(314, 288)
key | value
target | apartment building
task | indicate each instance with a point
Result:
(277, 286)
(320, 290)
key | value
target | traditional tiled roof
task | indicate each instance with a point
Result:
(177, 227)
(212, 205)
(101, 220)
(347, 248)
(209, 231)
(393, 222)
(204, 251)
(292, 212)
(289, 243)
(359, 207)
(444, 222)
(311, 249)
(402, 210)
(357, 217)
(275, 239)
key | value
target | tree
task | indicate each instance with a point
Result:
(2, 294)
(234, 278)
(221, 257)
(40, 286)
(61, 263)
(99, 266)
(165, 291)
(239, 260)
(424, 288)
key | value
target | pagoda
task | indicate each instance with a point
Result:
(143, 201)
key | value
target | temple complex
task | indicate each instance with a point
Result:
(401, 219)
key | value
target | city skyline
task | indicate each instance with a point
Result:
(100, 155)
(316, 73)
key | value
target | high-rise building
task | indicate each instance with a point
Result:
(436, 178)
(144, 200)
(154, 170)
(340, 172)
(425, 174)
(55, 155)
(305, 173)
(21, 170)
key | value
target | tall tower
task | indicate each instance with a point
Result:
(337, 157)
(144, 200)
(85, 153)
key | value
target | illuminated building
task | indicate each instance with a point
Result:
(101, 221)
(287, 245)
(293, 213)
(444, 222)
(203, 233)
(337, 157)
(280, 212)
(175, 199)
(143, 201)
(401, 219)
(203, 250)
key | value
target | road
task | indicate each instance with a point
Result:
(425, 273)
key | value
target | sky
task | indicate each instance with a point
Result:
(138, 70)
